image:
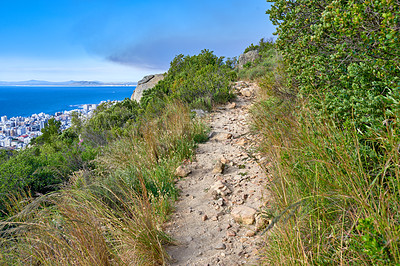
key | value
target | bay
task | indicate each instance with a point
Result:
(28, 100)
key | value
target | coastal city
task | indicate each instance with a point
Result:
(17, 132)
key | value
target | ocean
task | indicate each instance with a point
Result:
(28, 100)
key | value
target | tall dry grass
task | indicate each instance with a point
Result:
(111, 216)
(330, 207)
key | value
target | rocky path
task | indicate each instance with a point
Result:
(217, 218)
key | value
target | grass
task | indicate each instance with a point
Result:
(114, 214)
(330, 206)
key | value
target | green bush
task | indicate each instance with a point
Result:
(200, 80)
(344, 56)
(43, 168)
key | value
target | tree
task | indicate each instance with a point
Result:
(50, 132)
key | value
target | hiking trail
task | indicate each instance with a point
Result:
(217, 218)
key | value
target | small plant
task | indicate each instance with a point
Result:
(371, 242)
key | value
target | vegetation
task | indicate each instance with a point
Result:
(328, 112)
(201, 81)
(111, 177)
(45, 166)
(268, 56)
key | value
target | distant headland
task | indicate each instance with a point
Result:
(64, 83)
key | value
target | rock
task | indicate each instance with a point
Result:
(241, 142)
(250, 233)
(231, 106)
(261, 223)
(182, 171)
(222, 136)
(218, 168)
(205, 217)
(199, 112)
(220, 202)
(246, 92)
(243, 214)
(224, 161)
(242, 84)
(230, 233)
(248, 57)
(146, 83)
(219, 185)
(220, 246)
(219, 188)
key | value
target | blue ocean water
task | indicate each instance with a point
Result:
(25, 101)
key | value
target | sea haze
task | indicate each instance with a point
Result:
(28, 100)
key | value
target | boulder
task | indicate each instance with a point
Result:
(146, 83)
(248, 57)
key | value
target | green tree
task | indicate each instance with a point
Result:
(49, 132)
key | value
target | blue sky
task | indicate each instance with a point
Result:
(120, 40)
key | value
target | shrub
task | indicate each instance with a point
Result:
(344, 56)
(200, 80)
(330, 205)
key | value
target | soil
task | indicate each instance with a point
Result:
(227, 174)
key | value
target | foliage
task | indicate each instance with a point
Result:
(336, 151)
(113, 213)
(200, 80)
(262, 47)
(330, 208)
(268, 56)
(344, 56)
(46, 165)
(49, 132)
(113, 172)
(109, 120)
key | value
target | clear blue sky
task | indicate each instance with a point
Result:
(120, 40)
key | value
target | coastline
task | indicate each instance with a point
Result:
(32, 109)
(27, 100)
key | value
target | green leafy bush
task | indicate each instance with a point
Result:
(45, 167)
(344, 55)
(200, 80)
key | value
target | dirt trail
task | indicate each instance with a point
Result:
(215, 222)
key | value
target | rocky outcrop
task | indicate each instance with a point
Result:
(146, 83)
(250, 56)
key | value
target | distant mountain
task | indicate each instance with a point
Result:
(65, 83)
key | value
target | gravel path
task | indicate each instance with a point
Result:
(217, 218)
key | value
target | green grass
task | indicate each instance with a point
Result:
(330, 206)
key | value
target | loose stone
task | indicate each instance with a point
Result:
(220, 246)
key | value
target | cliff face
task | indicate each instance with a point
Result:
(146, 83)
